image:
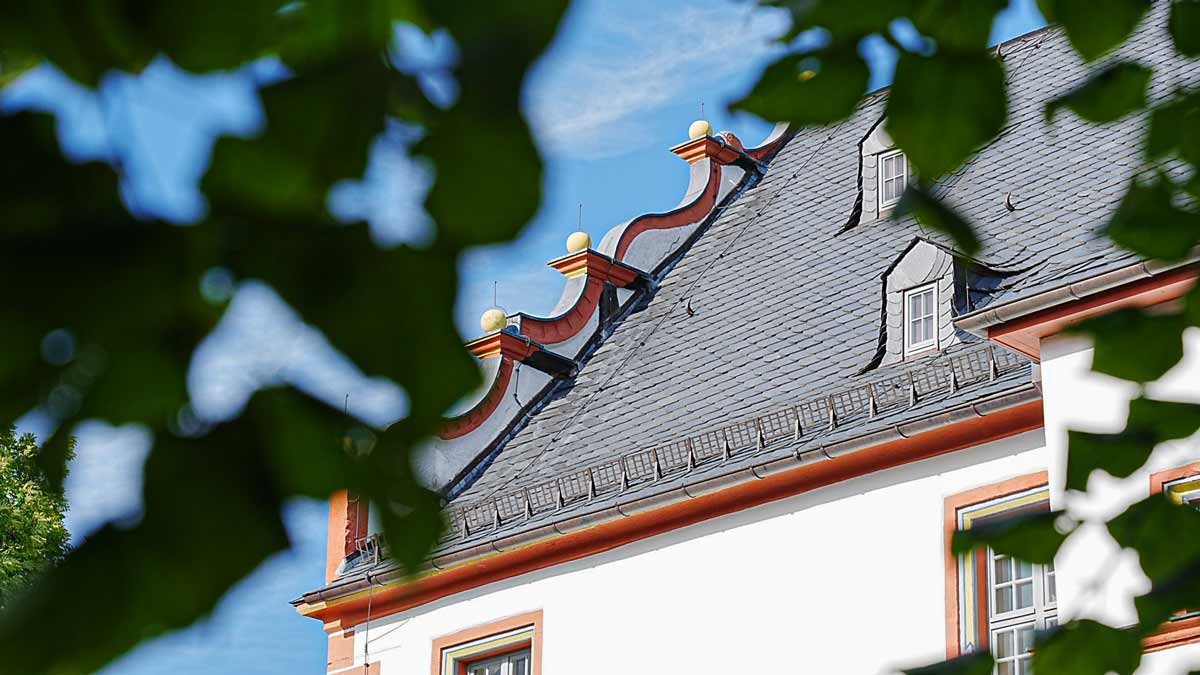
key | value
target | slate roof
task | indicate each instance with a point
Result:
(787, 307)
(785, 310)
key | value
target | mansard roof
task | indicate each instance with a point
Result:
(747, 344)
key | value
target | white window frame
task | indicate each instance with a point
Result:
(884, 203)
(504, 664)
(1039, 616)
(925, 345)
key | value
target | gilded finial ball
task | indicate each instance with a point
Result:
(700, 128)
(578, 241)
(493, 320)
(806, 75)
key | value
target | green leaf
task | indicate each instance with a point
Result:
(1118, 454)
(1148, 223)
(1191, 307)
(845, 19)
(1165, 536)
(957, 24)
(1107, 96)
(1168, 597)
(486, 123)
(332, 30)
(970, 108)
(932, 213)
(68, 248)
(1095, 26)
(1175, 128)
(1086, 647)
(1034, 538)
(201, 35)
(1157, 339)
(319, 129)
(1185, 26)
(14, 65)
(980, 663)
(1150, 422)
(811, 88)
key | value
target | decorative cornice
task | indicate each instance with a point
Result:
(502, 343)
(596, 265)
(708, 147)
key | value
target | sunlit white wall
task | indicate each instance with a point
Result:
(847, 579)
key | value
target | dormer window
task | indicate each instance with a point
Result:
(920, 318)
(893, 178)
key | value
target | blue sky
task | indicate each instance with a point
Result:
(618, 87)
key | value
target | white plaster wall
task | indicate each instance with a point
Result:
(1096, 578)
(847, 579)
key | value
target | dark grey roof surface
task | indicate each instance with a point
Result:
(787, 312)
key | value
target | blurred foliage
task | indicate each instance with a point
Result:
(949, 99)
(32, 535)
(1033, 538)
(111, 333)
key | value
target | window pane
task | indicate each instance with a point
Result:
(1025, 635)
(1003, 567)
(1024, 570)
(1005, 668)
(1051, 589)
(1004, 644)
(1025, 595)
(1004, 599)
(1026, 667)
(520, 666)
(927, 328)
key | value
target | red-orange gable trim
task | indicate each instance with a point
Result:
(382, 601)
(465, 424)
(1025, 334)
(561, 328)
(764, 151)
(684, 216)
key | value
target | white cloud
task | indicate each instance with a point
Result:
(630, 61)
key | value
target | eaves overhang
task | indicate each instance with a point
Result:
(1020, 324)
